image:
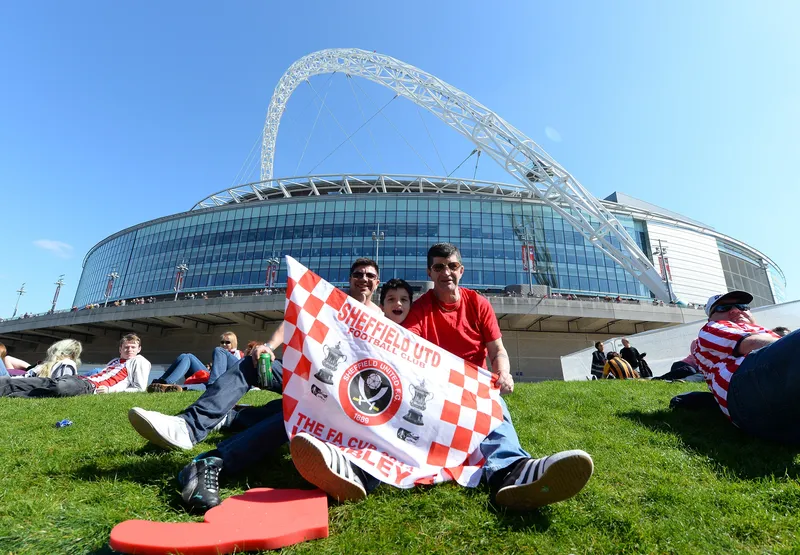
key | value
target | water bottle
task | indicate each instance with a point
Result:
(264, 370)
(63, 423)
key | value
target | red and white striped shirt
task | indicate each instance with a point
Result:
(714, 353)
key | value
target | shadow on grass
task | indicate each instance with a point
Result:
(537, 520)
(708, 433)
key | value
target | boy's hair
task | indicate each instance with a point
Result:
(442, 250)
(597, 345)
(364, 261)
(130, 337)
(396, 283)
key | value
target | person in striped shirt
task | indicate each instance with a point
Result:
(619, 368)
(752, 372)
(128, 373)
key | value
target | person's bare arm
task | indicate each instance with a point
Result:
(13, 363)
(753, 342)
(270, 346)
(501, 365)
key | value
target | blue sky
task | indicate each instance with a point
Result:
(114, 113)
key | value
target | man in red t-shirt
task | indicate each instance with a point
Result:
(464, 323)
(752, 372)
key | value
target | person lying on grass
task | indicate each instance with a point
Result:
(128, 373)
(753, 373)
(224, 357)
(215, 408)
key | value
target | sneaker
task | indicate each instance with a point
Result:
(199, 482)
(326, 467)
(535, 483)
(158, 387)
(169, 432)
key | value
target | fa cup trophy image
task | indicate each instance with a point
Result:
(333, 356)
(420, 397)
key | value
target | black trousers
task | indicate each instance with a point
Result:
(68, 386)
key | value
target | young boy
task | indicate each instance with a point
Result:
(396, 298)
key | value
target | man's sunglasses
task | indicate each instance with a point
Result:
(364, 275)
(727, 307)
(452, 266)
(224, 342)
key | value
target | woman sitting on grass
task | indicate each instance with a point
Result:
(7, 362)
(63, 359)
(224, 357)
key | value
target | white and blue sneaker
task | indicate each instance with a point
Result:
(327, 468)
(535, 483)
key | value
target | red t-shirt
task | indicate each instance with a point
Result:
(464, 331)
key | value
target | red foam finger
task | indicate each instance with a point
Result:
(260, 518)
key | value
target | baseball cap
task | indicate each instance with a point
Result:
(730, 297)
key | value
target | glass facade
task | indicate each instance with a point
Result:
(227, 247)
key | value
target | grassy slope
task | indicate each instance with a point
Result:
(664, 481)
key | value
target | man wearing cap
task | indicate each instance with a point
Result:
(752, 372)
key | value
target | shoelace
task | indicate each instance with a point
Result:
(211, 479)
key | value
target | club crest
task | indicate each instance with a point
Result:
(370, 392)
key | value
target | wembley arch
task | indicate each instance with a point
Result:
(542, 177)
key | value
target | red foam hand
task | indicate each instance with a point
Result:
(261, 518)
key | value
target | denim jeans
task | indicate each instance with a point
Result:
(222, 361)
(221, 396)
(183, 367)
(259, 439)
(501, 447)
(187, 364)
(68, 386)
(764, 392)
(3, 370)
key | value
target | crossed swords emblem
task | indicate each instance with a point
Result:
(362, 398)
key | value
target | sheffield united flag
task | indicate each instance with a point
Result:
(397, 406)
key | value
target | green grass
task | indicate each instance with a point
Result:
(665, 481)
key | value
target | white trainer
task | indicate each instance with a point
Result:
(326, 467)
(169, 432)
(533, 483)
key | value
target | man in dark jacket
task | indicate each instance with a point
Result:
(630, 354)
(598, 360)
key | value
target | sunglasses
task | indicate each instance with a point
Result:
(452, 266)
(364, 275)
(727, 307)
(225, 342)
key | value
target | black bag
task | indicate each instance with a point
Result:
(644, 368)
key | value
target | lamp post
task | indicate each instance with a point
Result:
(377, 237)
(59, 283)
(663, 262)
(112, 277)
(273, 264)
(20, 291)
(179, 277)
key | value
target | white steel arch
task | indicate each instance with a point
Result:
(526, 161)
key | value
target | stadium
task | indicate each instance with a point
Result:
(562, 268)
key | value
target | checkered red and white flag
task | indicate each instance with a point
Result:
(399, 407)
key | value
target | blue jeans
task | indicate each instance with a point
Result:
(221, 396)
(501, 448)
(3, 370)
(764, 393)
(187, 364)
(257, 441)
